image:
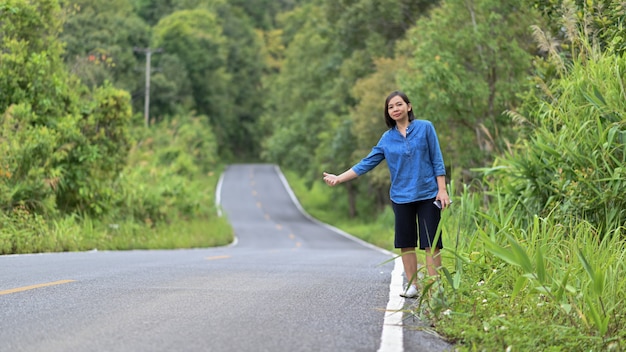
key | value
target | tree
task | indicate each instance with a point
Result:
(604, 20)
(61, 144)
(373, 25)
(470, 61)
(245, 66)
(262, 13)
(195, 38)
(31, 71)
(153, 10)
(99, 38)
(330, 45)
(300, 94)
(368, 122)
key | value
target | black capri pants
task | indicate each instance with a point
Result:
(408, 215)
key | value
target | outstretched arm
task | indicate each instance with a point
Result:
(333, 180)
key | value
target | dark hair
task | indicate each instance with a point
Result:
(388, 120)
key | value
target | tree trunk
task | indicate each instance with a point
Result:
(352, 195)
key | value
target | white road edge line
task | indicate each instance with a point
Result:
(392, 335)
(218, 204)
(218, 193)
(391, 339)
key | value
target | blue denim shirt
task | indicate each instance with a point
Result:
(414, 162)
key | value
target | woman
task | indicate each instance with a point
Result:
(417, 171)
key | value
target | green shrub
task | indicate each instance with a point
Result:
(159, 186)
(573, 163)
(95, 156)
(22, 231)
(28, 174)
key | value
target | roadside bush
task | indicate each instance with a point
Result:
(60, 137)
(573, 163)
(28, 174)
(503, 272)
(163, 198)
(159, 183)
(96, 153)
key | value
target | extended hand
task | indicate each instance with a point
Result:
(331, 179)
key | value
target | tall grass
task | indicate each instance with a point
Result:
(517, 272)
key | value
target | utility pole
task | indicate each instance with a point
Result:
(148, 52)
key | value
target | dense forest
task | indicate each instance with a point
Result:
(527, 96)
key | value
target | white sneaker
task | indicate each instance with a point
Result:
(410, 292)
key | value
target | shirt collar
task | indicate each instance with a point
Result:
(408, 128)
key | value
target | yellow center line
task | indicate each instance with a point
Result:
(218, 257)
(32, 287)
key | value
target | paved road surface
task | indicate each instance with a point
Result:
(286, 284)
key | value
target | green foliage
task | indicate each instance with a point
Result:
(29, 158)
(212, 62)
(36, 96)
(195, 37)
(515, 273)
(99, 37)
(263, 12)
(64, 148)
(163, 198)
(31, 71)
(24, 232)
(330, 45)
(153, 10)
(165, 195)
(298, 97)
(373, 25)
(368, 122)
(157, 186)
(69, 165)
(572, 162)
(604, 20)
(245, 66)
(95, 153)
(551, 242)
(464, 81)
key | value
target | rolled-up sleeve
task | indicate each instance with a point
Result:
(434, 150)
(370, 161)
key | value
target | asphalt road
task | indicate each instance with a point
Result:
(288, 283)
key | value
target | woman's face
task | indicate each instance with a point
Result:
(398, 109)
